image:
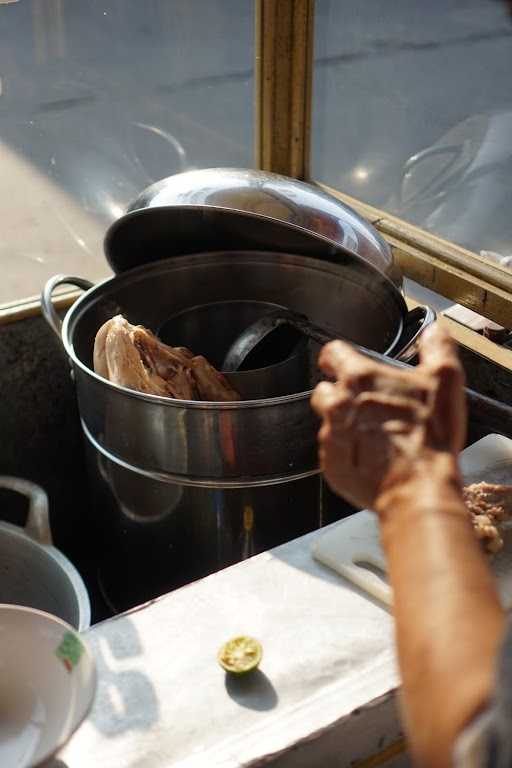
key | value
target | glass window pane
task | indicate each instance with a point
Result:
(413, 112)
(97, 101)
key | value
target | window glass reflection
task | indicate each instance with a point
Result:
(413, 112)
(100, 99)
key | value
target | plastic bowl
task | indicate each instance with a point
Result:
(47, 684)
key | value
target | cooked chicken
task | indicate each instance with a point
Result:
(133, 357)
(489, 505)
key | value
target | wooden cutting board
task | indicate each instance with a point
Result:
(352, 547)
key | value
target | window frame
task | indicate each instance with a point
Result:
(284, 42)
(284, 62)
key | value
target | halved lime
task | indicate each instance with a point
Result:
(240, 655)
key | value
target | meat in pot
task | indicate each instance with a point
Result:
(133, 357)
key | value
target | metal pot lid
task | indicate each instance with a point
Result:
(239, 209)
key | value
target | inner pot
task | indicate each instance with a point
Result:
(210, 329)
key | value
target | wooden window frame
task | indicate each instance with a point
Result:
(284, 75)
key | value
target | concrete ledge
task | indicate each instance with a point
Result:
(323, 695)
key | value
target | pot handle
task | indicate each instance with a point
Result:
(417, 321)
(50, 313)
(38, 523)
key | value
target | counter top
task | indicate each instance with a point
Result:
(163, 701)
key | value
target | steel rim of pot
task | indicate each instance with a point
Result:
(195, 404)
(193, 481)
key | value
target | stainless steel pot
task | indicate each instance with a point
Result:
(33, 572)
(226, 478)
(216, 209)
(204, 443)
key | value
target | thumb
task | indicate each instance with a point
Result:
(437, 348)
(438, 356)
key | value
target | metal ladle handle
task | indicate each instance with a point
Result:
(315, 332)
(259, 331)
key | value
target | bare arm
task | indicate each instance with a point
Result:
(389, 441)
(448, 618)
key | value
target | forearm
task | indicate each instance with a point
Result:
(448, 618)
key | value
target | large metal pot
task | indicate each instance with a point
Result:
(216, 209)
(189, 487)
(33, 572)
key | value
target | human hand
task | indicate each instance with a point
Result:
(382, 425)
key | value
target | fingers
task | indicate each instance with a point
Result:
(432, 393)
(335, 407)
(439, 358)
(406, 384)
(356, 373)
(437, 348)
(341, 361)
(334, 435)
(447, 425)
(325, 397)
(394, 414)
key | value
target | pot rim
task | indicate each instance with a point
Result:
(207, 405)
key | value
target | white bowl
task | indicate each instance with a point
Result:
(47, 684)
